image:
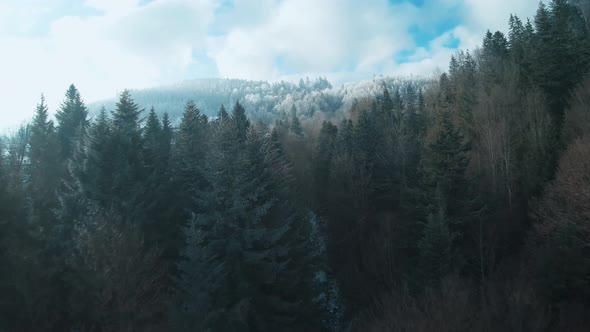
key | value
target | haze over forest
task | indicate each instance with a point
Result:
(325, 189)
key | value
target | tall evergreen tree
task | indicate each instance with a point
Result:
(191, 148)
(43, 169)
(99, 166)
(88, 181)
(223, 115)
(323, 156)
(42, 180)
(249, 283)
(127, 157)
(240, 121)
(296, 126)
(516, 36)
(71, 121)
(156, 180)
(436, 259)
(152, 138)
(445, 168)
(384, 104)
(166, 141)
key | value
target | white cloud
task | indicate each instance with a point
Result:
(322, 37)
(309, 35)
(128, 46)
(476, 16)
(113, 6)
(20, 17)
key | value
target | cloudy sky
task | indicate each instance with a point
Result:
(105, 46)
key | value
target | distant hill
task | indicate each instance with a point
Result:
(262, 100)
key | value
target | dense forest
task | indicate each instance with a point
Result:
(311, 100)
(459, 203)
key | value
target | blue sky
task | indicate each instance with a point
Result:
(105, 46)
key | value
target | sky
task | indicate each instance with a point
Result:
(105, 46)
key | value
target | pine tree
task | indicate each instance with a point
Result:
(445, 170)
(99, 149)
(384, 104)
(411, 115)
(247, 240)
(127, 158)
(494, 51)
(152, 138)
(43, 174)
(398, 104)
(421, 116)
(42, 179)
(155, 181)
(516, 36)
(567, 54)
(500, 45)
(166, 140)
(191, 148)
(296, 126)
(367, 138)
(88, 181)
(345, 143)
(240, 121)
(436, 259)
(222, 115)
(322, 161)
(16, 254)
(71, 120)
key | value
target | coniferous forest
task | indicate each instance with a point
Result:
(458, 204)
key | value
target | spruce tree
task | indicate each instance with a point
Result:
(367, 138)
(240, 121)
(127, 158)
(43, 174)
(516, 36)
(99, 149)
(166, 141)
(71, 121)
(384, 104)
(445, 164)
(296, 126)
(322, 162)
(152, 138)
(42, 179)
(436, 259)
(247, 238)
(222, 115)
(155, 181)
(191, 148)
(88, 181)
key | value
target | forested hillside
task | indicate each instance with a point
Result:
(262, 100)
(460, 203)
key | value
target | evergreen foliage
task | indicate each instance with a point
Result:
(454, 204)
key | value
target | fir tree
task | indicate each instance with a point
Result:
(191, 148)
(71, 120)
(127, 157)
(296, 126)
(322, 161)
(250, 282)
(43, 169)
(445, 171)
(240, 122)
(436, 260)
(98, 179)
(42, 180)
